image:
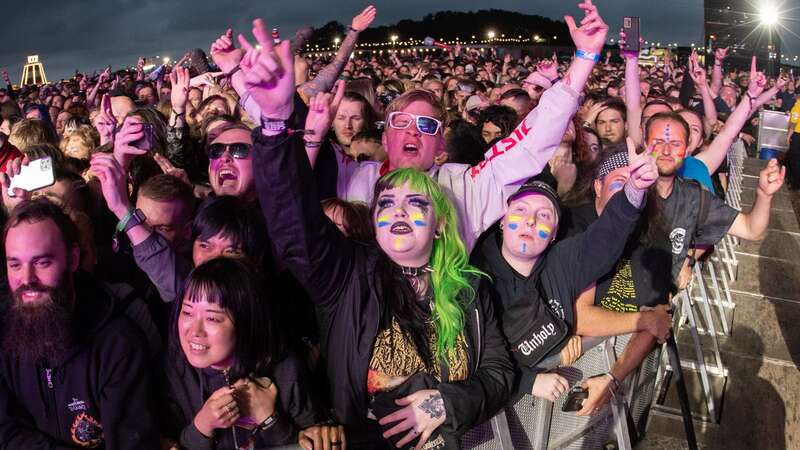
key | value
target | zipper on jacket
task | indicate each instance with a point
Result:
(478, 328)
(48, 373)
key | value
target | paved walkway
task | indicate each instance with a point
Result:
(762, 395)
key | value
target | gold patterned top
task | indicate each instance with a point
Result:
(394, 359)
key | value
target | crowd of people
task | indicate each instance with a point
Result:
(366, 252)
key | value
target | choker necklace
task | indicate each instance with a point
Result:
(416, 271)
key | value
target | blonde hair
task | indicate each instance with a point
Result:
(419, 95)
(88, 137)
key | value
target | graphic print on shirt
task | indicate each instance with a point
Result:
(86, 431)
(676, 238)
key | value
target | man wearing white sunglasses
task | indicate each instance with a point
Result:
(414, 137)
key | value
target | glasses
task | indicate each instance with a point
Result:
(238, 150)
(425, 124)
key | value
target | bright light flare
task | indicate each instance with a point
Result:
(768, 14)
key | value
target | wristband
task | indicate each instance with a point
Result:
(124, 221)
(268, 422)
(233, 71)
(613, 380)
(313, 144)
(352, 29)
(587, 55)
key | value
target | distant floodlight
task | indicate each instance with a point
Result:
(768, 14)
(490, 34)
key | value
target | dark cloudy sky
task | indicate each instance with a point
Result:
(89, 34)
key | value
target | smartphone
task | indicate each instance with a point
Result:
(148, 140)
(632, 34)
(36, 175)
(575, 399)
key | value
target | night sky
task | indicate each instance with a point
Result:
(90, 34)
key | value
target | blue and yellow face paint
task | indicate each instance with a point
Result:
(419, 219)
(514, 221)
(543, 231)
(383, 221)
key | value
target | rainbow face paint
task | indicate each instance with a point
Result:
(419, 219)
(383, 221)
(513, 222)
(543, 231)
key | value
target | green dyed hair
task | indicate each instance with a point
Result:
(450, 279)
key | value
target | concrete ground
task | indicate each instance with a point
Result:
(762, 395)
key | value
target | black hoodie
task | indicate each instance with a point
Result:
(561, 272)
(96, 396)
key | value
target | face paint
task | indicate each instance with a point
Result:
(419, 219)
(668, 132)
(543, 231)
(615, 186)
(398, 243)
(383, 221)
(513, 222)
(524, 247)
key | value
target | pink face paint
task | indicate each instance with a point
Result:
(513, 222)
(383, 221)
(543, 231)
(419, 219)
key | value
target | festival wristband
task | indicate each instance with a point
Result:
(233, 71)
(122, 223)
(587, 55)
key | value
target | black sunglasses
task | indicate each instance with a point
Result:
(239, 150)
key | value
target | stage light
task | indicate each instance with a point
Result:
(166, 59)
(394, 38)
(336, 40)
(490, 34)
(768, 14)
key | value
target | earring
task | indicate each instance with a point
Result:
(437, 234)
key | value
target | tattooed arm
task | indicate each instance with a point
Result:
(326, 77)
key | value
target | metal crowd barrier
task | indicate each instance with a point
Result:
(704, 308)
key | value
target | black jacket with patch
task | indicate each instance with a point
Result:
(96, 396)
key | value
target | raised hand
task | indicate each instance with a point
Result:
(168, 168)
(105, 122)
(5, 77)
(179, 94)
(124, 151)
(623, 41)
(696, 70)
(643, 168)
(268, 73)
(224, 53)
(12, 169)
(423, 413)
(319, 116)
(113, 181)
(362, 21)
(771, 178)
(591, 35)
(758, 81)
(548, 68)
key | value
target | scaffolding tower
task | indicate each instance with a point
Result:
(33, 72)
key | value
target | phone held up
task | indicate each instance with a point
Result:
(36, 175)
(630, 25)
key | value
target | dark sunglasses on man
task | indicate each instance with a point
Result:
(238, 150)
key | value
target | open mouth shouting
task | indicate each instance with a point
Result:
(400, 228)
(411, 149)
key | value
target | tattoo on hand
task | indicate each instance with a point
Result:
(433, 406)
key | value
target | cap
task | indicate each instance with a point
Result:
(473, 102)
(612, 162)
(538, 187)
(539, 80)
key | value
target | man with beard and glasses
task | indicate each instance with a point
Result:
(72, 370)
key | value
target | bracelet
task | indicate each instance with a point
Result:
(268, 423)
(614, 380)
(121, 224)
(177, 114)
(751, 99)
(587, 55)
(313, 144)
(555, 80)
(233, 71)
(352, 29)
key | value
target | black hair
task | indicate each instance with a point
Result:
(504, 117)
(464, 143)
(238, 288)
(235, 219)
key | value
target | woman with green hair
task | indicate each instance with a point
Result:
(414, 351)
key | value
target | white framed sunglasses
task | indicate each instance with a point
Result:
(425, 124)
